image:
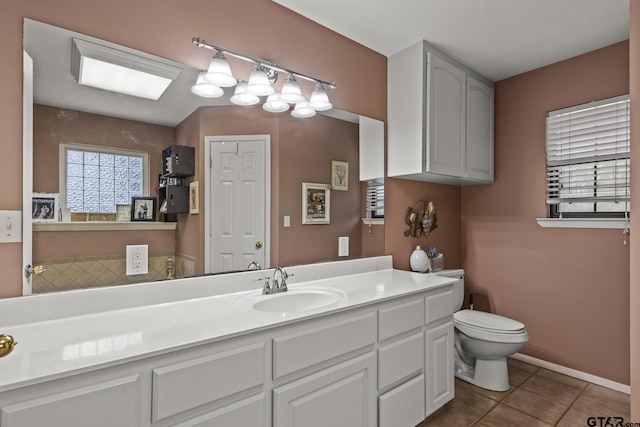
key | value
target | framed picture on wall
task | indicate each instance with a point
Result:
(339, 175)
(316, 203)
(194, 198)
(143, 209)
(44, 207)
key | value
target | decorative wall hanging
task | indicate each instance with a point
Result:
(421, 219)
(316, 203)
(339, 175)
(194, 198)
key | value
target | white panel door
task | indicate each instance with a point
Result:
(439, 366)
(27, 168)
(238, 203)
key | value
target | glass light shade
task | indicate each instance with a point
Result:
(319, 100)
(302, 110)
(259, 83)
(204, 89)
(219, 73)
(291, 92)
(241, 97)
(273, 104)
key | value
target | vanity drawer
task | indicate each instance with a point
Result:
(400, 318)
(438, 306)
(301, 350)
(404, 406)
(400, 359)
(186, 385)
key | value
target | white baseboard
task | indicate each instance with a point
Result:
(574, 373)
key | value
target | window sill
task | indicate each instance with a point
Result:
(373, 221)
(103, 226)
(617, 223)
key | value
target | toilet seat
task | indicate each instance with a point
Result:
(489, 327)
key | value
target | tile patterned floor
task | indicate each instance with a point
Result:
(538, 397)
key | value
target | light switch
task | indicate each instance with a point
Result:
(10, 226)
(343, 246)
(287, 221)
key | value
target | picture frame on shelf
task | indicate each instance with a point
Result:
(316, 203)
(339, 175)
(143, 209)
(45, 207)
(123, 213)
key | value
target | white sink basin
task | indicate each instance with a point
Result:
(296, 300)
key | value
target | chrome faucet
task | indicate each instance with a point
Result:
(254, 266)
(275, 285)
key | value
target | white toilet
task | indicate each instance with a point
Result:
(483, 341)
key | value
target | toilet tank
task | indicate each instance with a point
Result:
(458, 287)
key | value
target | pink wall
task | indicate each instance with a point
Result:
(166, 29)
(634, 53)
(570, 287)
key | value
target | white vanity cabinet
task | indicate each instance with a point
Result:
(440, 119)
(387, 363)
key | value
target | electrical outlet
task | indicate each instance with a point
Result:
(343, 246)
(137, 259)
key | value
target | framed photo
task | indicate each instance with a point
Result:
(143, 209)
(123, 213)
(339, 175)
(44, 207)
(194, 198)
(316, 203)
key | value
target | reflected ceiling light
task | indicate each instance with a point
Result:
(242, 97)
(205, 89)
(291, 92)
(219, 72)
(274, 104)
(302, 110)
(319, 100)
(121, 71)
(263, 76)
(259, 82)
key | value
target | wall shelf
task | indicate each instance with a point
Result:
(103, 226)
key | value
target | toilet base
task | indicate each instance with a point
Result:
(488, 374)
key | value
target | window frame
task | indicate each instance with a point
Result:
(368, 207)
(62, 162)
(553, 210)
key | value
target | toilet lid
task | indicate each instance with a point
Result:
(488, 321)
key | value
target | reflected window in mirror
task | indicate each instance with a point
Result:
(375, 199)
(96, 179)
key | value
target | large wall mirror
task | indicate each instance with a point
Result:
(88, 249)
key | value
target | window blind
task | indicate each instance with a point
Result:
(587, 150)
(375, 200)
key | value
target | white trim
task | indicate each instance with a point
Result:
(616, 223)
(104, 226)
(574, 373)
(27, 169)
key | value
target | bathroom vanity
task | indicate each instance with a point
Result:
(351, 343)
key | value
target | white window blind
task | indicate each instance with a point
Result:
(588, 159)
(375, 200)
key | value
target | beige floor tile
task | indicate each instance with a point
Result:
(597, 401)
(563, 379)
(505, 416)
(538, 407)
(551, 389)
(448, 416)
(495, 395)
(524, 366)
(573, 418)
(517, 376)
(469, 402)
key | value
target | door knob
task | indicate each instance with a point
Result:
(7, 343)
(29, 270)
(258, 245)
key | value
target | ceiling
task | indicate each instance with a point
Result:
(496, 38)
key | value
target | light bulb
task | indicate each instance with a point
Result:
(204, 89)
(319, 100)
(291, 92)
(241, 97)
(302, 110)
(274, 105)
(219, 72)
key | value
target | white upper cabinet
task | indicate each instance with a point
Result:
(371, 149)
(440, 119)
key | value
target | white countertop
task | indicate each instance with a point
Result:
(55, 348)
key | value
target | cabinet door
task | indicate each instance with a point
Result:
(343, 395)
(479, 156)
(439, 361)
(446, 104)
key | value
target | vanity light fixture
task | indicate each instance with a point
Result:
(120, 71)
(206, 89)
(263, 76)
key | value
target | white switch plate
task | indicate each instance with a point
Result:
(343, 246)
(137, 259)
(287, 221)
(10, 226)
